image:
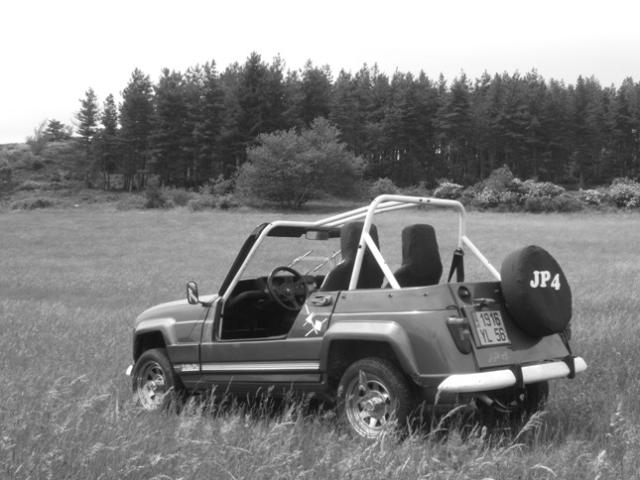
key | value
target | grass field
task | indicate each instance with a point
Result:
(72, 281)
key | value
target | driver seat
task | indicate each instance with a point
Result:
(421, 264)
(371, 274)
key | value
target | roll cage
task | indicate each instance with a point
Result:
(381, 204)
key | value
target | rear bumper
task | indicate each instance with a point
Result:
(497, 379)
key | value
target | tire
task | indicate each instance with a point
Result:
(373, 397)
(154, 383)
(536, 291)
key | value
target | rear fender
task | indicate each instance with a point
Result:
(388, 332)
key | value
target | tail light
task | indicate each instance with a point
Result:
(460, 332)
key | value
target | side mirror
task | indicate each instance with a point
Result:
(192, 293)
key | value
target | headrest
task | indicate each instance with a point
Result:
(350, 238)
(420, 247)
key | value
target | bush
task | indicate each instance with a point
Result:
(538, 204)
(565, 202)
(487, 197)
(179, 197)
(290, 168)
(511, 199)
(419, 190)
(222, 186)
(624, 193)
(6, 177)
(131, 202)
(37, 164)
(154, 197)
(226, 201)
(201, 202)
(500, 180)
(591, 197)
(449, 190)
(382, 186)
(38, 141)
(532, 188)
(30, 185)
(32, 203)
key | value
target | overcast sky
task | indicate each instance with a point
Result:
(53, 51)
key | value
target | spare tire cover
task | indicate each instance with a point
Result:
(536, 291)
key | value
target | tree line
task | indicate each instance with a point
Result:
(192, 126)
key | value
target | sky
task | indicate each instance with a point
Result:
(51, 52)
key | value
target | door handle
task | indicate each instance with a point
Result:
(321, 300)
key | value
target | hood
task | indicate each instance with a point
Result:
(178, 310)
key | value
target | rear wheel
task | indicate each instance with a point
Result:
(373, 397)
(154, 383)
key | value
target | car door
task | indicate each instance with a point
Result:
(244, 365)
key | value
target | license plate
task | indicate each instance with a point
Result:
(490, 329)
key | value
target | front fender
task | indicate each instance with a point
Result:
(166, 326)
(145, 334)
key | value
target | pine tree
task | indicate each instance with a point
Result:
(57, 131)
(205, 101)
(454, 125)
(88, 116)
(136, 114)
(170, 133)
(87, 125)
(233, 151)
(261, 98)
(106, 141)
(316, 92)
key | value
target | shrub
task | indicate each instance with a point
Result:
(37, 164)
(500, 180)
(487, 197)
(38, 141)
(382, 186)
(30, 185)
(591, 197)
(419, 190)
(290, 168)
(33, 203)
(634, 202)
(201, 202)
(179, 197)
(6, 177)
(226, 201)
(624, 193)
(131, 202)
(447, 189)
(538, 204)
(511, 199)
(154, 197)
(565, 202)
(532, 188)
(222, 186)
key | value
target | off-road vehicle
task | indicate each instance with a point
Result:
(315, 307)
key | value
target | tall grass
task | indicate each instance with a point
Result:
(72, 281)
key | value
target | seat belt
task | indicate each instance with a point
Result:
(457, 265)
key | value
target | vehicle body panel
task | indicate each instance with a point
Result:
(428, 331)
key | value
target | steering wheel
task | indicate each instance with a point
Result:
(289, 295)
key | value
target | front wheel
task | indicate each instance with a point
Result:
(373, 396)
(153, 380)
